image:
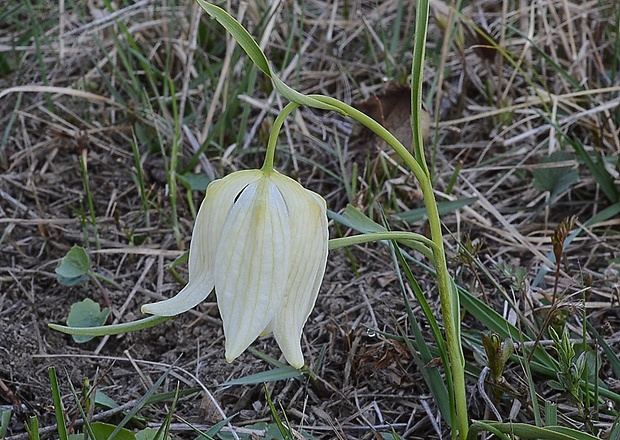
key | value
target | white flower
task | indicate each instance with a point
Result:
(260, 240)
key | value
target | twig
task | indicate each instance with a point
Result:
(9, 394)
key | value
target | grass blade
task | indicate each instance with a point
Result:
(282, 373)
(143, 401)
(58, 411)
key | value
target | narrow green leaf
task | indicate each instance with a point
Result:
(240, 34)
(213, 431)
(270, 360)
(614, 432)
(115, 329)
(33, 428)
(442, 391)
(551, 413)
(143, 400)
(598, 170)
(281, 429)
(88, 430)
(389, 436)
(164, 430)
(249, 45)
(58, 412)
(359, 221)
(282, 373)
(542, 361)
(105, 401)
(355, 219)
(417, 68)
(612, 356)
(163, 397)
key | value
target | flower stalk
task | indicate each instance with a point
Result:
(272, 142)
(448, 296)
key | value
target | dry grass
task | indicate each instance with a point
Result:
(79, 81)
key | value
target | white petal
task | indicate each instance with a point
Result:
(252, 264)
(309, 242)
(190, 296)
(210, 222)
(211, 219)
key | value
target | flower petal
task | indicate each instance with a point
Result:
(252, 264)
(210, 222)
(309, 235)
(189, 297)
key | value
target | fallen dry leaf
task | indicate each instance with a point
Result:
(392, 109)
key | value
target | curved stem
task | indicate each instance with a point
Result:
(273, 135)
(448, 298)
(379, 130)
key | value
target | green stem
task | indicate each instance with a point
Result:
(379, 130)
(417, 66)
(273, 135)
(451, 314)
(448, 297)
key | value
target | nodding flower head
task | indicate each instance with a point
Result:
(260, 240)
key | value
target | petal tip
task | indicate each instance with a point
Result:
(158, 309)
(297, 365)
(230, 357)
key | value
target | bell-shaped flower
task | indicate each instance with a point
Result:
(260, 240)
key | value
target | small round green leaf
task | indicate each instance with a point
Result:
(103, 431)
(86, 313)
(74, 267)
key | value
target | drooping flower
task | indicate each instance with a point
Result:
(260, 239)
